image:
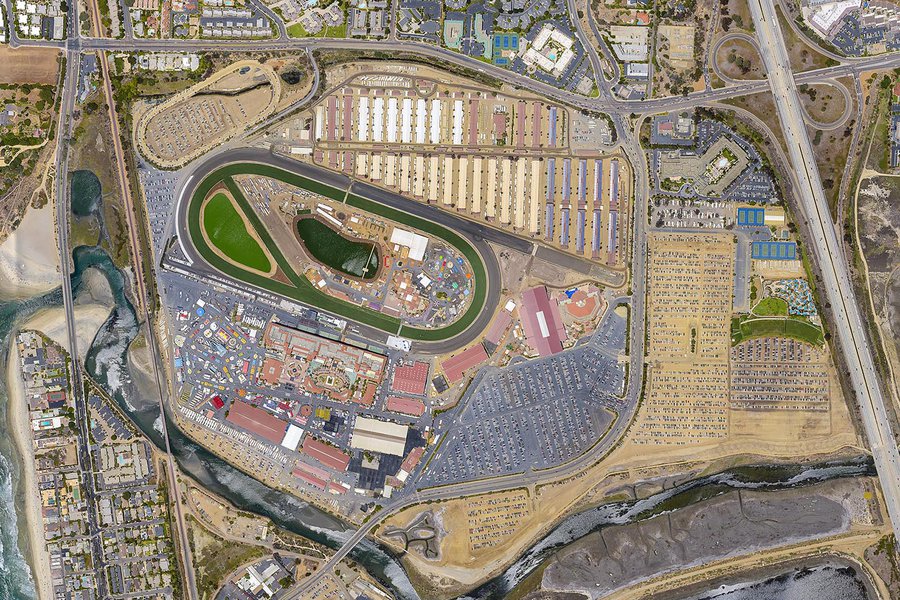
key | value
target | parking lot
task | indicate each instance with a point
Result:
(536, 413)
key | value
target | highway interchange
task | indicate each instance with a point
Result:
(849, 325)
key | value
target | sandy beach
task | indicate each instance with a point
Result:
(29, 262)
(38, 556)
(52, 323)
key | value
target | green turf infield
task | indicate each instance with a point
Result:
(226, 230)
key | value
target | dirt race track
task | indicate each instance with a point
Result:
(28, 65)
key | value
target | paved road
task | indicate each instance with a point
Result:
(849, 326)
(475, 233)
(142, 308)
(851, 329)
(606, 103)
(85, 460)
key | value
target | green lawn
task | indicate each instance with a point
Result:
(226, 230)
(297, 31)
(300, 288)
(771, 307)
(745, 328)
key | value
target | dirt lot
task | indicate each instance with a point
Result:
(879, 236)
(28, 65)
(191, 123)
(738, 59)
(682, 30)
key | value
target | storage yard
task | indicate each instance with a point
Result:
(454, 265)
(361, 257)
(502, 159)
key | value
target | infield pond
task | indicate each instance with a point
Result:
(329, 247)
(108, 363)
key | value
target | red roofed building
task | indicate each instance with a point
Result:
(271, 371)
(337, 488)
(410, 378)
(217, 402)
(325, 454)
(541, 320)
(256, 420)
(311, 470)
(310, 479)
(454, 367)
(412, 459)
(499, 327)
(406, 406)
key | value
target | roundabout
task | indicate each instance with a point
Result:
(241, 247)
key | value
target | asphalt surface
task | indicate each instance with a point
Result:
(606, 103)
(61, 182)
(474, 233)
(635, 350)
(847, 322)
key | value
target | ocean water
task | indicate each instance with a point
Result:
(15, 575)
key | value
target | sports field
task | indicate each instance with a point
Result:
(299, 287)
(227, 232)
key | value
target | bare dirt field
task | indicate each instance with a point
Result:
(738, 59)
(733, 524)
(878, 220)
(28, 65)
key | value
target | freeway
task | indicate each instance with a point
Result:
(847, 320)
(606, 103)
